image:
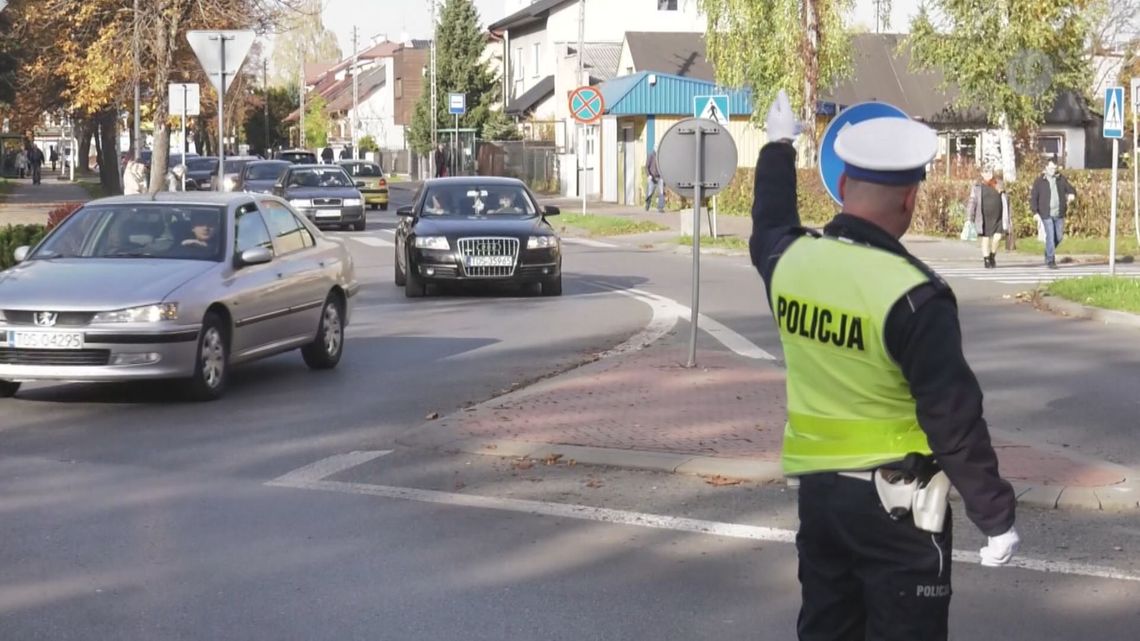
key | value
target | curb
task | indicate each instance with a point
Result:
(1086, 312)
(439, 435)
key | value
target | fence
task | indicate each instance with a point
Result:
(536, 164)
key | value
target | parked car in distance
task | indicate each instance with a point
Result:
(259, 176)
(173, 286)
(234, 165)
(201, 172)
(325, 194)
(474, 230)
(297, 156)
(375, 187)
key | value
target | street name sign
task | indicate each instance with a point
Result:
(1114, 112)
(830, 164)
(714, 108)
(587, 105)
(457, 104)
(188, 92)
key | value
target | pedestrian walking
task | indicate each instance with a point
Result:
(440, 161)
(54, 158)
(986, 208)
(327, 156)
(654, 184)
(1049, 200)
(884, 413)
(22, 163)
(134, 178)
(36, 163)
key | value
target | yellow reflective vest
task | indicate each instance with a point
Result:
(849, 406)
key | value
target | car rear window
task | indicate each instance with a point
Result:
(364, 170)
(264, 172)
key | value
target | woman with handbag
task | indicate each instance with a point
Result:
(988, 212)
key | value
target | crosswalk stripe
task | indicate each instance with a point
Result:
(585, 242)
(1029, 274)
(373, 241)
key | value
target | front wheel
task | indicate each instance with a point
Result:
(8, 389)
(401, 278)
(325, 350)
(211, 366)
(360, 224)
(414, 287)
(552, 287)
(383, 206)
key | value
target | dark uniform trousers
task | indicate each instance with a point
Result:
(865, 576)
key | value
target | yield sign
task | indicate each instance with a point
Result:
(587, 105)
(221, 53)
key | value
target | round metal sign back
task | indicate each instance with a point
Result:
(677, 157)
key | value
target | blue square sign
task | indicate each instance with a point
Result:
(457, 103)
(714, 108)
(1114, 112)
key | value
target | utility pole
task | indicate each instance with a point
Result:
(434, 95)
(355, 87)
(138, 86)
(265, 89)
(301, 132)
(582, 81)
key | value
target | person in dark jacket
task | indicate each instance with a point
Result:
(1049, 200)
(654, 184)
(328, 156)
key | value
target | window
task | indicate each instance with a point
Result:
(1050, 146)
(251, 232)
(399, 87)
(537, 58)
(519, 71)
(289, 234)
(666, 5)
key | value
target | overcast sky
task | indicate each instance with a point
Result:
(393, 18)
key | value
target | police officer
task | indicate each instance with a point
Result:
(877, 386)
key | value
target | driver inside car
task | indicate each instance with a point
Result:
(204, 232)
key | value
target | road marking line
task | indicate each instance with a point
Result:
(372, 241)
(311, 477)
(585, 242)
(721, 332)
(663, 321)
(390, 232)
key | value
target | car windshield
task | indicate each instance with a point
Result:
(201, 164)
(187, 232)
(364, 170)
(234, 166)
(471, 201)
(264, 172)
(319, 178)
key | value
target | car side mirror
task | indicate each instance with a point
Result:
(406, 212)
(551, 210)
(255, 256)
(21, 253)
(359, 184)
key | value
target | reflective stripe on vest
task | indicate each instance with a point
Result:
(849, 406)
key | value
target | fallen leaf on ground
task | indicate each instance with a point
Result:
(552, 459)
(571, 462)
(432, 416)
(720, 481)
(594, 483)
(490, 446)
(459, 485)
(523, 464)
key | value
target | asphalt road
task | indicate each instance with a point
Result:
(126, 514)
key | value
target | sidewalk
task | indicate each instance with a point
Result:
(724, 418)
(30, 204)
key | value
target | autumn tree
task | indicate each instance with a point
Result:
(460, 69)
(1010, 64)
(303, 38)
(795, 45)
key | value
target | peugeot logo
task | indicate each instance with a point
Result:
(46, 319)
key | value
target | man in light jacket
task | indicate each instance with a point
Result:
(1049, 199)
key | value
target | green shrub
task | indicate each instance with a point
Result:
(14, 236)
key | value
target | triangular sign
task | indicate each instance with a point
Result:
(208, 46)
(1114, 119)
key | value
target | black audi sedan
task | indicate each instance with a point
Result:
(477, 230)
(260, 176)
(325, 194)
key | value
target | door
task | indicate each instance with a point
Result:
(257, 301)
(302, 267)
(629, 153)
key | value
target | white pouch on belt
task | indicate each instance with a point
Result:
(897, 498)
(930, 503)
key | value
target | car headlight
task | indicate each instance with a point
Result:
(301, 203)
(144, 314)
(351, 202)
(542, 242)
(432, 242)
(231, 183)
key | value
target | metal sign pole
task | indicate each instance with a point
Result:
(222, 118)
(698, 183)
(185, 90)
(1135, 168)
(1112, 233)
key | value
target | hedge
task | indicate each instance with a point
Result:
(14, 236)
(942, 203)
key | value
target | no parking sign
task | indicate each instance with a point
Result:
(830, 164)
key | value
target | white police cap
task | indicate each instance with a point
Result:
(887, 151)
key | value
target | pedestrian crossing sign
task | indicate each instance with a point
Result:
(714, 108)
(1114, 112)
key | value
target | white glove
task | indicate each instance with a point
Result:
(781, 124)
(1000, 549)
(1072, 198)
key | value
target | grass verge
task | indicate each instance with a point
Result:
(1125, 246)
(93, 189)
(1100, 291)
(599, 225)
(721, 242)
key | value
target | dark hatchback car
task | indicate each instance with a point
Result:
(474, 230)
(297, 156)
(201, 172)
(325, 194)
(260, 176)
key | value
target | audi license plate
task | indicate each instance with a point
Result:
(45, 340)
(490, 261)
(328, 213)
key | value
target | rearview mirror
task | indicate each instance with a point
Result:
(405, 211)
(255, 256)
(551, 210)
(21, 253)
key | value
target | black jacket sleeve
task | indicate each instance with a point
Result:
(925, 339)
(1035, 197)
(775, 215)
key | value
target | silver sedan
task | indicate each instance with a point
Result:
(176, 285)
